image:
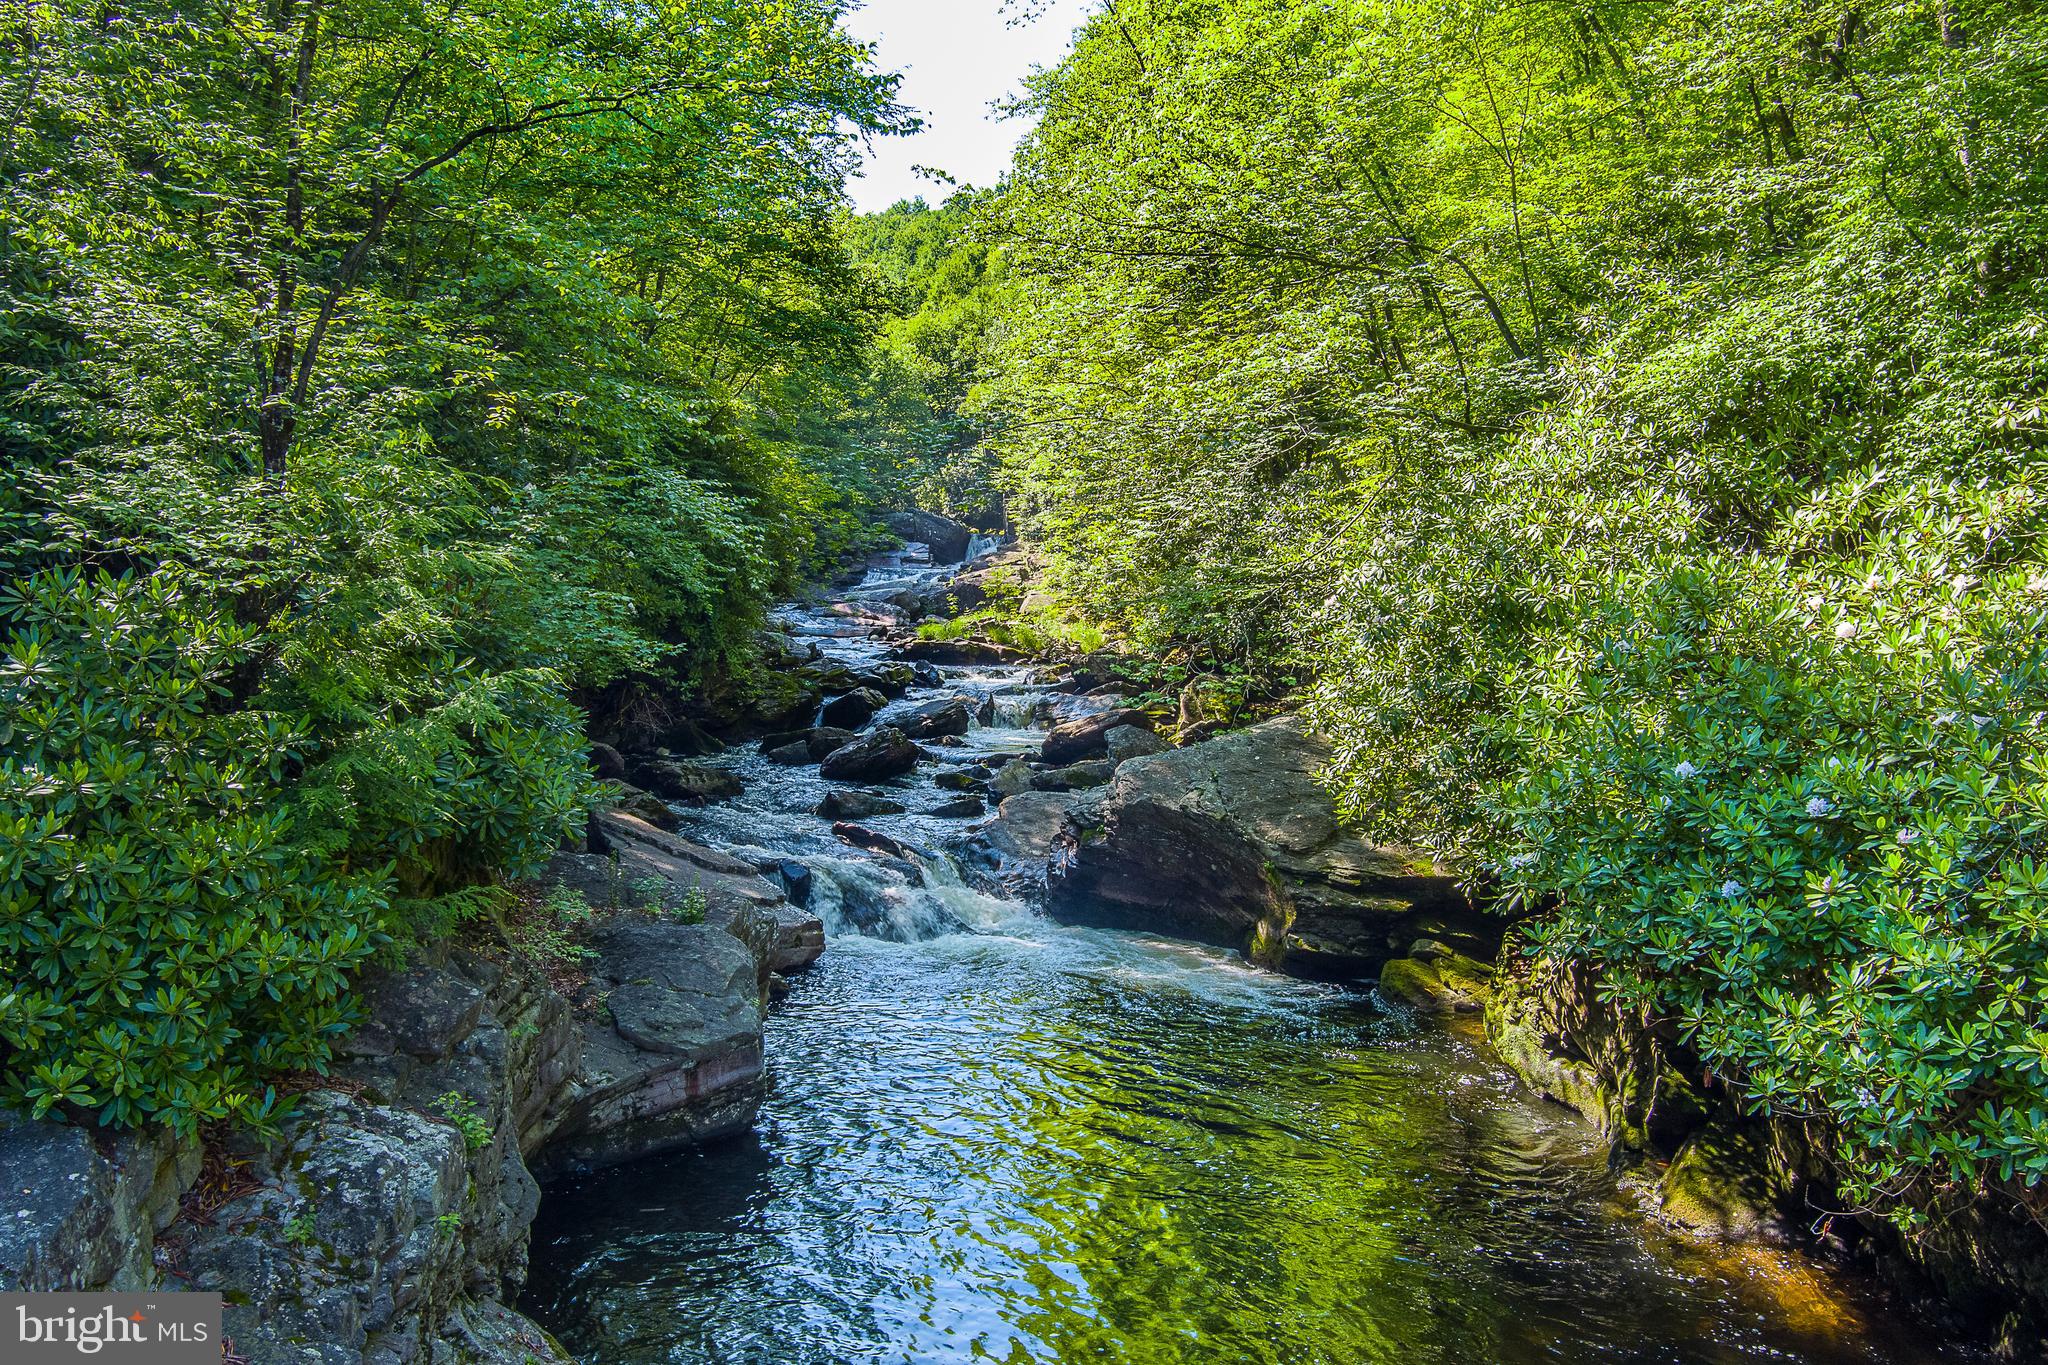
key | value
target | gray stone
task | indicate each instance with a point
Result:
(877, 757)
(931, 719)
(1127, 742)
(857, 805)
(76, 1218)
(1088, 736)
(853, 709)
(676, 779)
(1094, 772)
(1012, 778)
(1235, 842)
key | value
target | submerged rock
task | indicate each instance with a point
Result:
(1234, 842)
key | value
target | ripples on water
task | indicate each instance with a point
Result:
(1030, 1143)
(1062, 1145)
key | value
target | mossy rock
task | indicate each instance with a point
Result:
(1719, 1184)
(1443, 982)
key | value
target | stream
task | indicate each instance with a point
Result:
(988, 1137)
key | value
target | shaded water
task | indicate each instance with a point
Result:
(1019, 1142)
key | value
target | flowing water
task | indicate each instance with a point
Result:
(992, 1138)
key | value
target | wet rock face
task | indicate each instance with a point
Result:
(931, 719)
(1088, 736)
(1233, 841)
(852, 710)
(877, 757)
(674, 1057)
(947, 539)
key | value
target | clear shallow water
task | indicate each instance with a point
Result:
(1010, 1141)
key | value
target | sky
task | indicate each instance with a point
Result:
(956, 57)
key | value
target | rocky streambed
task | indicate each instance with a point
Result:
(1073, 1054)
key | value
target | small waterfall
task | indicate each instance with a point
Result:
(980, 546)
(853, 896)
(1015, 710)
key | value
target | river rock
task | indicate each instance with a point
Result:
(1088, 736)
(931, 719)
(947, 539)
(959, 808)
(1234, 842)
(1013, 777)
(1718, 1184)
(1437, 979)
(607, 763)
(1126, 742)
(1011, 852)
(852, 710)
(963, 779)
(856, 805)
(647, 806)
(1094, 772)
(790, 755)
(675, 1057)
(860, 836)
(958, 652)
(876, 757)
(891, 679)
(675, 779)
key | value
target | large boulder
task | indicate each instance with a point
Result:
(1011, 852)
(675, 779)
(1235, 842)
(931, 719)
(673, 1057)
(856, 805)
(82, 1213)
(852, 710)
(796, 747)
(1126, 742)
(1087, 736)
(958, 652)
(1091, 772)
(878, 757)
(947, 539)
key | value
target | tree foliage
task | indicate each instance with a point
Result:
(1630, 416)
(379, 375)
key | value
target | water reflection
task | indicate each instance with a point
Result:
(1040, 1144)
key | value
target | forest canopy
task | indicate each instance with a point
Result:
(378, 381)
(1621, 426)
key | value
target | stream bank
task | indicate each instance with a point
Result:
(971, 1128)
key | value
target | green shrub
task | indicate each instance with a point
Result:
(165, 940)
